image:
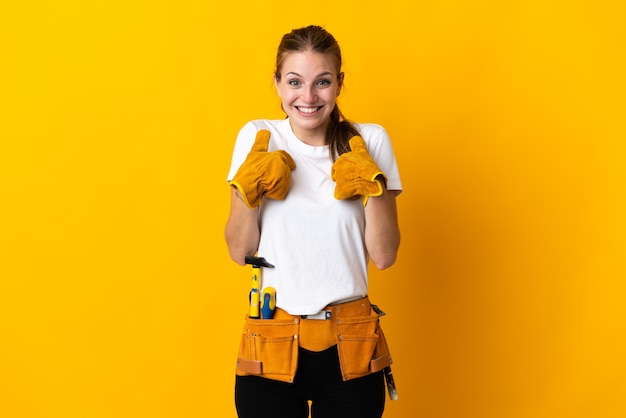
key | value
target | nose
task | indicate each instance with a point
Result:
(309, 94)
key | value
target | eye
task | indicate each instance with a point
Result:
(294, 83)
(323, 82)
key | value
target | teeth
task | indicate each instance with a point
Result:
(308, 109)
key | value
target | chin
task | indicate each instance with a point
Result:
(310, 125)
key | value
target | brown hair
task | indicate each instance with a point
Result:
(317, 39)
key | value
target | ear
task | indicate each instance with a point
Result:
(340, 81)
(276, 84)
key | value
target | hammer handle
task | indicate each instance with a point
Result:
(255, 290)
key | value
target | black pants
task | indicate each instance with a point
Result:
(318, 379)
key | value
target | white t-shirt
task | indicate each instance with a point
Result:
(315, 242)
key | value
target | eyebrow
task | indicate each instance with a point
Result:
(326, 73)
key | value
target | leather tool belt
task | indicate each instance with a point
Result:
(269, 347)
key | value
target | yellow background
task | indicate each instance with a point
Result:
(117, 120)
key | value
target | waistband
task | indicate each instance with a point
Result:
(357, 307)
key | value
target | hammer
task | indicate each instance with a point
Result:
(257, 263)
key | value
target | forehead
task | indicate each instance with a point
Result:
(308, 62)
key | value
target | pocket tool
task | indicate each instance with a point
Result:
(268, 303)
(391, 384)
(257, 263)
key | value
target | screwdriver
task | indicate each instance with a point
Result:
(268, 303)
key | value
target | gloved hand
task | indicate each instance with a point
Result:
(357, 174)
(263, 173)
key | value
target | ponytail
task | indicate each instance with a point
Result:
(339, 133)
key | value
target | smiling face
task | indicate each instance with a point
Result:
(308, 86)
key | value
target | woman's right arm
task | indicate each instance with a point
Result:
(242, 229)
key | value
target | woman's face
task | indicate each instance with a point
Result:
(308, 88)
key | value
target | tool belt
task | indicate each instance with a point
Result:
(269, 347)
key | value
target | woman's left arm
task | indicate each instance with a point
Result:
(382, 234)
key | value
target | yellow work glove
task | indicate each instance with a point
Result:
(357, 174)
(263, 173)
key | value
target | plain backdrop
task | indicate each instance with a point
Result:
(117, 122)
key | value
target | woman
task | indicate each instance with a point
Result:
(314, 195)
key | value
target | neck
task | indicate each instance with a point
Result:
(314, 137)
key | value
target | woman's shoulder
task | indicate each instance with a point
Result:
(371, 131)
(269, 124)
(279, 132)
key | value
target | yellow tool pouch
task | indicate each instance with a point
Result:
(361, 345)
(269, 347)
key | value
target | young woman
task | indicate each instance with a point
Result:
(315, 196)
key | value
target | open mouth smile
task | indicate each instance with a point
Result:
(308, 109)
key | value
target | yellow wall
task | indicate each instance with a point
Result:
(117, 119)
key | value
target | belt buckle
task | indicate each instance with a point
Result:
(321, 315)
